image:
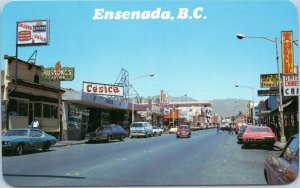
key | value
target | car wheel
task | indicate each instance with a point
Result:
(46, 146)
(20, 149)
(160, 133)
(121, 138)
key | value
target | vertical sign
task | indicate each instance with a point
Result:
(287, 52)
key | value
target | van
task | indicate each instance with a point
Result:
(138, 129)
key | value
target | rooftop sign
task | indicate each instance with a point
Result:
(103, 89)
(31, 33)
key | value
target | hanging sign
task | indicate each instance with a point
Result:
(287, 52)
(58, 73)
(31, 33)
(269, 80)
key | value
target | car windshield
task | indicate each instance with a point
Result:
(183, 127)
(107, 128)
(137, 125)
(257, 129)
(16, 133)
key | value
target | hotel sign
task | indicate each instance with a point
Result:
(58, 73)
(287, 52)
(269, 80)
(290, 85)
(32, 33)
(103, 89)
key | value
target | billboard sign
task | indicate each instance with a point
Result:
(103, 89)
(287, 52)
(267, 92)
(290, 85)
(58, 73)
(269, 80)
(31, 33)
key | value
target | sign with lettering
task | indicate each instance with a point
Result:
(31, 33)
(58, 73)
(287, 52)
(269, 80)
(103, 89)
(267, 92)
(290, 85)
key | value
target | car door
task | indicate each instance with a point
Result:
(35, 139)
(281, 173)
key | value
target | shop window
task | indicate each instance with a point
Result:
(49, 111)
(18, 107)
(37, 109)
(46, 111)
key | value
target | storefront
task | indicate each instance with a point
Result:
(26, 96)
(84, 112)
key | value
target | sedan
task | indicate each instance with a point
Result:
(108, 133)
(20, 140)
(241, 132)
(283, 169)
(183, 131)
(261, 135)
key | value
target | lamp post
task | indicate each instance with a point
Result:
(280, 109)
(253, 113)
(132, 114)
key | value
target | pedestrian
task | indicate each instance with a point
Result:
(35, 123)
(218, 128)
(230, 131)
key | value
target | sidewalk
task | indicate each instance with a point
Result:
(69, 143)
(279, 145)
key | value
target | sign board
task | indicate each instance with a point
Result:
(58, 73)
(31, 33)
(269, 80)
(267, 92)
(290, 85)
(287, 52)
(103, 89)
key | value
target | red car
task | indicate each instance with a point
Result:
(183, 131)
(260, 135)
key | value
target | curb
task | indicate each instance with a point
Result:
(62, 143)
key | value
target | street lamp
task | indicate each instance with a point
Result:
(253, 121)
(132, 114)
(280, 109)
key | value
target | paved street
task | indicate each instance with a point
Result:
(204, 159)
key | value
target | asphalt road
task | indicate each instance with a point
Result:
(204, 159)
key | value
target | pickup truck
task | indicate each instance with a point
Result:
(157, 130)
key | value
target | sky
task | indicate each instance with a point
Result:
(200, 58)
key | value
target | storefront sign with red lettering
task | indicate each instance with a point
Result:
(103, 89)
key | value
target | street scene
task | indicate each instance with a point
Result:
(110, 94)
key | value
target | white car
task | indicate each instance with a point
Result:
(157, 130)
(143, 129)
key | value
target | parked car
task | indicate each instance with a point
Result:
(108, 133)
(283, 169)
(241, 132)
(260, 135)
(141, 129)
(23, 139)
(183, 131)
(157, 130)
(173, 130)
